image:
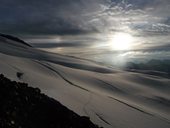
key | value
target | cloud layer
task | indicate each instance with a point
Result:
(79, 16)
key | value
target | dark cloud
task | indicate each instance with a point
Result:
(164, 47)
(43, 17)
(59, 45)
(72, 17)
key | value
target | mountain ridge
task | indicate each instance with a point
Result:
(13, 38)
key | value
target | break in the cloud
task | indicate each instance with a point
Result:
(70, 17)
(130, 15)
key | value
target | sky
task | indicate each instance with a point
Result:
(90, 24)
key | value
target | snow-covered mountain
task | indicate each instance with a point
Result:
(112, 98)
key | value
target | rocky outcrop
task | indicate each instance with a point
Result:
(26, 107)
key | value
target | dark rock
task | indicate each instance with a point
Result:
(25, 107)
(19, 74)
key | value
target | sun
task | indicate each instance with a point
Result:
(121, 41)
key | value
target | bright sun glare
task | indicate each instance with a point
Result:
(121, 41)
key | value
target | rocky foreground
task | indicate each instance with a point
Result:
(26, 107)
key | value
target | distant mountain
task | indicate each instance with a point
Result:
(25, 107)
(159, 66)
(14, 39)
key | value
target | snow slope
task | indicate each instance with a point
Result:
(111, 98)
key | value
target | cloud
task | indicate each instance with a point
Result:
(133, 15)
(73, 17)
(45, 17)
